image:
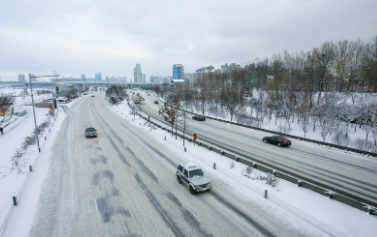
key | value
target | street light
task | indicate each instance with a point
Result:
(32, 100)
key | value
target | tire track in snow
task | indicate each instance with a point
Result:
(188, 216)
(255, 223)
(141, 164)
(120, 155)
(165, 216)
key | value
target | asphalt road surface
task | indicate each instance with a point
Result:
(349, 173)
(121, 184)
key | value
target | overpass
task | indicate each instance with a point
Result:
(78, 82)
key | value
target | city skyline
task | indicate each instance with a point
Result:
(97, 36)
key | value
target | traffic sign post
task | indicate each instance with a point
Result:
(194, 137)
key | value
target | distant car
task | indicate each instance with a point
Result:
(193, 177)
(198, 117)
(92, 95)
(49, 100)
(156, 102)
(90, 132)
(277, 140)
(148, 94)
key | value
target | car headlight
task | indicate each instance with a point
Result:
(210, 184)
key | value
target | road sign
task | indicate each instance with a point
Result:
(194, 136)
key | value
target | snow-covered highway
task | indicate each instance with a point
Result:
(351, 174)
(122, 184)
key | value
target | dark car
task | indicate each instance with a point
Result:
(198, 117)
(278, 140)
(156, 102)
(90, 132)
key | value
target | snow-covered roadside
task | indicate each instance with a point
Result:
(11, 181)
(27, 208)
(276, 124)
(346, 219)
(11, 184)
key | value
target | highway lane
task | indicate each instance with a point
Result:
(121, 184)
(350, 173)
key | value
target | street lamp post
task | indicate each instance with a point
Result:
(32, 100)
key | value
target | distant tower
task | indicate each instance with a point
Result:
(21, 78)
(178, 71)
(137, 73)
(98, 77)
(144, 77)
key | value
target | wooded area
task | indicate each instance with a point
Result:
(331, 88)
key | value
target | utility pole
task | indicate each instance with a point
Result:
(184, 124)
(35, 120)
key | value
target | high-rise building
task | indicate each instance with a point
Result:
(21, 78)
(144, 78)
(137, 73)
(191, 77)
(178, 71)
(199, 73)
(83, 77)
(98, 77)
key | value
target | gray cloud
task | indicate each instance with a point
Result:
(112, 36)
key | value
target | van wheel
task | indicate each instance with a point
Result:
(192, 191)
(179, 179)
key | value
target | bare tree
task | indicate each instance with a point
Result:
(168, 113)
(139, 101)
(6, 102)
(322, 58)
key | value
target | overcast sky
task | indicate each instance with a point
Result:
(110, 36)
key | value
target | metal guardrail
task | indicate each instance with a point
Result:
(324, 227)
(297, 137)
(290, 178)
(288, 135)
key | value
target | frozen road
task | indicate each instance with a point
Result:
(121, 184)
(352, 174)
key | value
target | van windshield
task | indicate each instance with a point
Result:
(194, 173)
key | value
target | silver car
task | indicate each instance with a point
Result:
(90, 132)
(193, 177)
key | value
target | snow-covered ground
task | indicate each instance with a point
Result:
(353, 131)
(16, 129)
(344, 218)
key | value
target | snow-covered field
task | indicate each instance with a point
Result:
(346, 219)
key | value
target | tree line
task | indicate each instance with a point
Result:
(308, 88)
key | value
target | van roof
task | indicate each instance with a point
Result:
(190, 166)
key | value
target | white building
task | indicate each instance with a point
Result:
(137, 73)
